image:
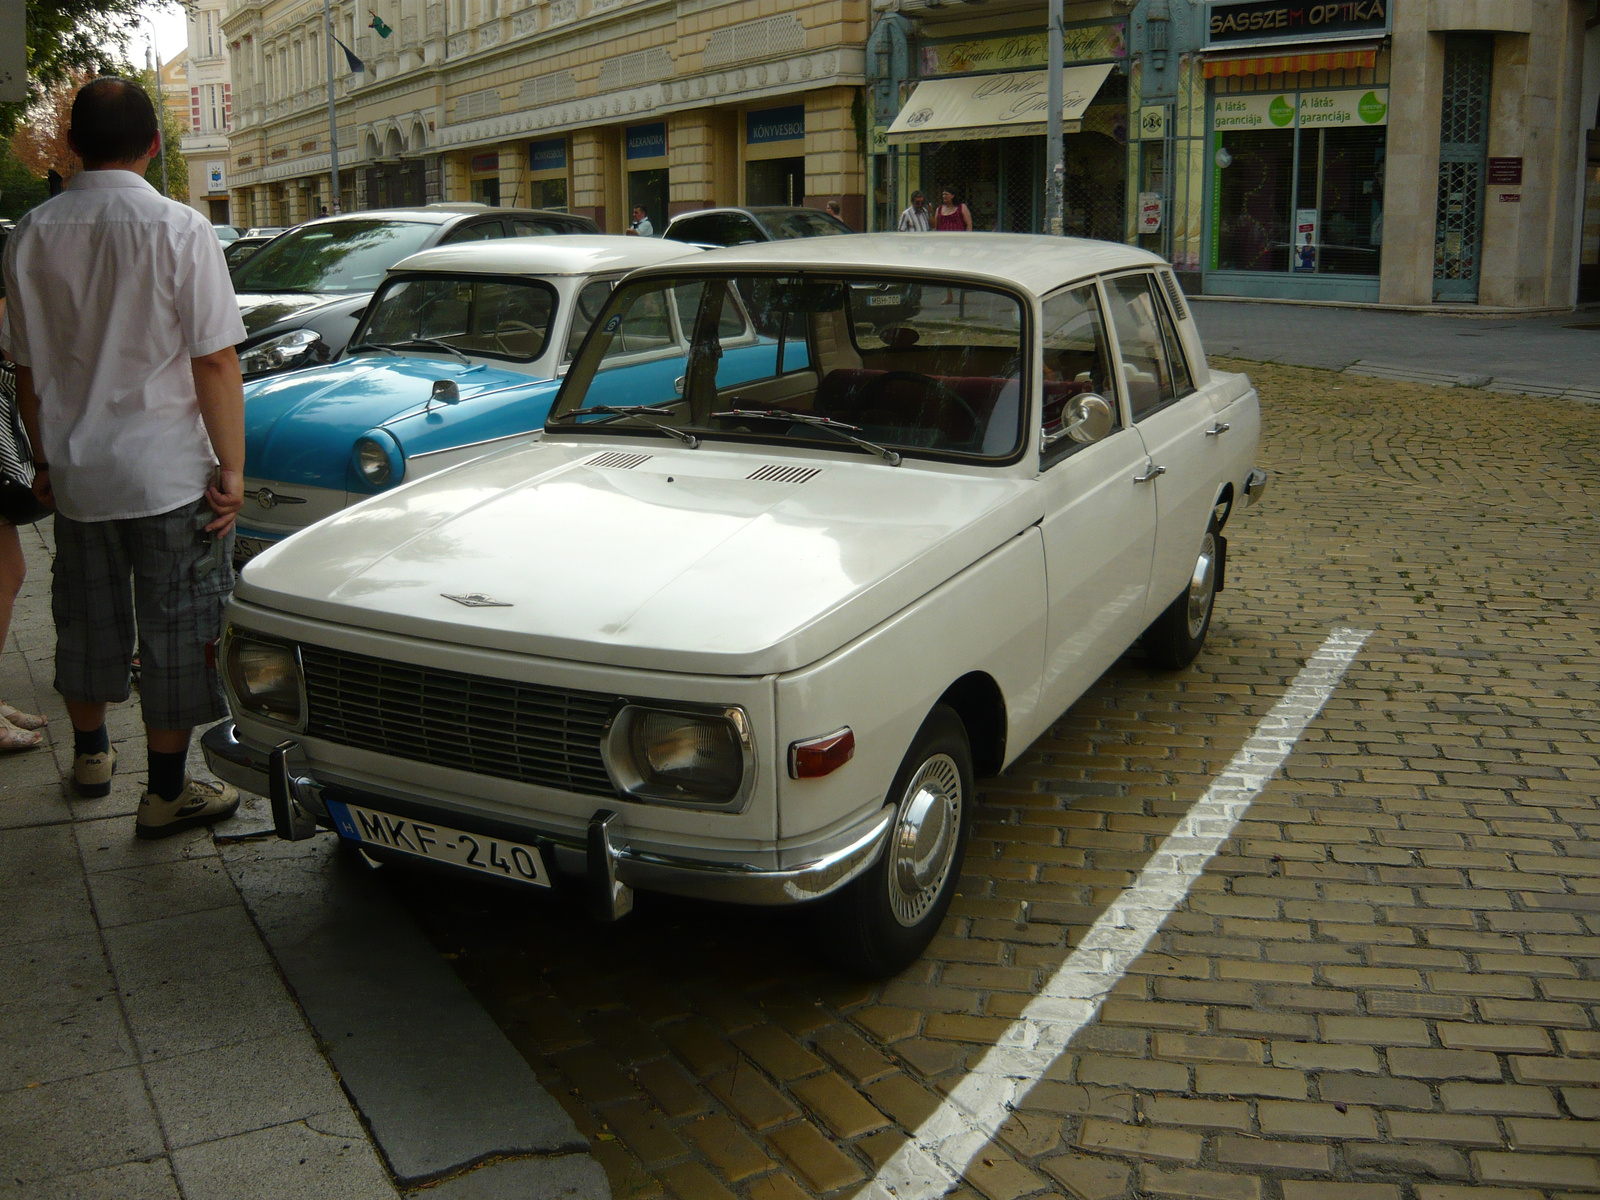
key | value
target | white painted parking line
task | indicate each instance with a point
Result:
(931, 1163)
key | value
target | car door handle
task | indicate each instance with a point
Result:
(1150, 474)
(1217, 430)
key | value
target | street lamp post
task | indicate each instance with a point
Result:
(333, 124)
(1054, 182)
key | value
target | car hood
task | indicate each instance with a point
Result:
(300, 426)
(262, 310)
(678, 563)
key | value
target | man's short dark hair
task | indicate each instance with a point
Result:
(113, 121)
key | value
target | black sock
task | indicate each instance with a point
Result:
(96, 741)
(166, 773)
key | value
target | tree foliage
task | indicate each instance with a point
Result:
(71, 35)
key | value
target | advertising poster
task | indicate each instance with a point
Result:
(1305, 239)
(1149, 212)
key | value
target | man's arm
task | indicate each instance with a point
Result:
(220, 390)
(28, 409)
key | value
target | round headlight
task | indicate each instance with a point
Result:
(679, 756)
(265, 677)
(372, 460)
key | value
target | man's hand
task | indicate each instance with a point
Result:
(225, 495)
(42, 491)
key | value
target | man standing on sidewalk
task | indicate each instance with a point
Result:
(123, 322)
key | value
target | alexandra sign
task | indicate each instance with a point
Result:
(1274, 20)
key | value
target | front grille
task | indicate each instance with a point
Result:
(475, 723)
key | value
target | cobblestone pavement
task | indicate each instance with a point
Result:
(1385, 987)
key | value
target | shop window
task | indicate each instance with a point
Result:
(1341, 183)
(648, 190)
(1253, 200)
(776, 181)
(487, 191)
(550, 193)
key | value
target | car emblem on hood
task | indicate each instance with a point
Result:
(477, 600)
(267, 498)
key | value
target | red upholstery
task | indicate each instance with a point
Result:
(1056, 394)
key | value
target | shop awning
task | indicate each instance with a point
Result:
(984, 106)
(1290, 60)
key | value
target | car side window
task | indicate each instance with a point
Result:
(1077, 361)
(1135, 312)
(481, 231)
(1182, 381)
(526, 227)
(585, 309)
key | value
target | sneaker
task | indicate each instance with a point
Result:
(91, 773)
(197, 804)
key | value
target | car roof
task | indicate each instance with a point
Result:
(1032, 262)
(440, 214)
(563, 254)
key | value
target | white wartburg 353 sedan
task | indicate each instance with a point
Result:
(752, 639)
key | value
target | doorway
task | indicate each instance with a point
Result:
(648, 190)
(1589, 252)
(775, 181)
(1463, 150)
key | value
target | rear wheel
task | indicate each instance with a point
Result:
(1176, 636)
(881, 922)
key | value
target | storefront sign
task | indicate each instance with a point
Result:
(1505, 170)
(1510, 197)
(1153, 122)
(1257, 21)
(1305, 239)
(1149, 212)
(216, 177)
(1344, 108)
(647, 141)
(484, 163)
(548, 155)
(786, 124)
(1089, 43)
(1352, 108)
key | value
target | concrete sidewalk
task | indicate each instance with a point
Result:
(148, 1045)
(1555, 356)
(259, 1020)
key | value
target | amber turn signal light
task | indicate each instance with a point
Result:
(816, 757)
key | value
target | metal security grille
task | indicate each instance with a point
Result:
(1463, 145)
(475, 723)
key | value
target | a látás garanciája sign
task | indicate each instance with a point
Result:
(1274, 20)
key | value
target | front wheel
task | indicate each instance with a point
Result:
(882, 921)
(1175, 637)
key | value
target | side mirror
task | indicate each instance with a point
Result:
(1088, 419)
(445, 391)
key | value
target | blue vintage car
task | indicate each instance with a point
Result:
(460, 352)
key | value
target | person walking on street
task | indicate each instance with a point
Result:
(122, 322)
(640, 225)
(915, 217)
(18, 506)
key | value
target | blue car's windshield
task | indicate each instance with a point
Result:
(346, 256)
(473, 314)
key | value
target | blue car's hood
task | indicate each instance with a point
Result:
(301, 427)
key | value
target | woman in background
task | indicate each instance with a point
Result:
(18, 506)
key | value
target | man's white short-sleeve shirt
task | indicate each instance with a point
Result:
(112, 289)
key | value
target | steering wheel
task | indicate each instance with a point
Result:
(511, 325)
(933, 389)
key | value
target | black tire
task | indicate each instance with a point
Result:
(875, 926)
(1175, 638)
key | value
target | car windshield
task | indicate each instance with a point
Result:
(800, 223)
(498, 318)
(929, 367)
(340, 256)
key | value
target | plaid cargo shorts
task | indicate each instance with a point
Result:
(162, 579)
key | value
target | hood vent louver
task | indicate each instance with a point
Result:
(777, 473)
(619, 460)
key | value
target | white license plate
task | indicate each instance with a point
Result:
(246, 548)
(883, 301)
(440, 843)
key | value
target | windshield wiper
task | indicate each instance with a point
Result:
(357, 349)
(850, 433)
(639, 411)
(436, 343)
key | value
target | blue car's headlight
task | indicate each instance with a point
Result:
(297, 348)
(377, 459)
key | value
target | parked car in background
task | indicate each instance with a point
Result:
(460, 350)
(241, 250)
(754, 637)
(227, 233)
(266, 231)
(745, 226)
(301, 296)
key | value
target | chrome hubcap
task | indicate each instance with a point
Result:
(1202, 584)
(924, 843)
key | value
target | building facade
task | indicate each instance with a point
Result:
(209, 112)
(591, 106)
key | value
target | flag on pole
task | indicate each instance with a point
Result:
(356, 65)
(377, 23)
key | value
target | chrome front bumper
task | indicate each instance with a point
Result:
(1255, 487)
(611, 864)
